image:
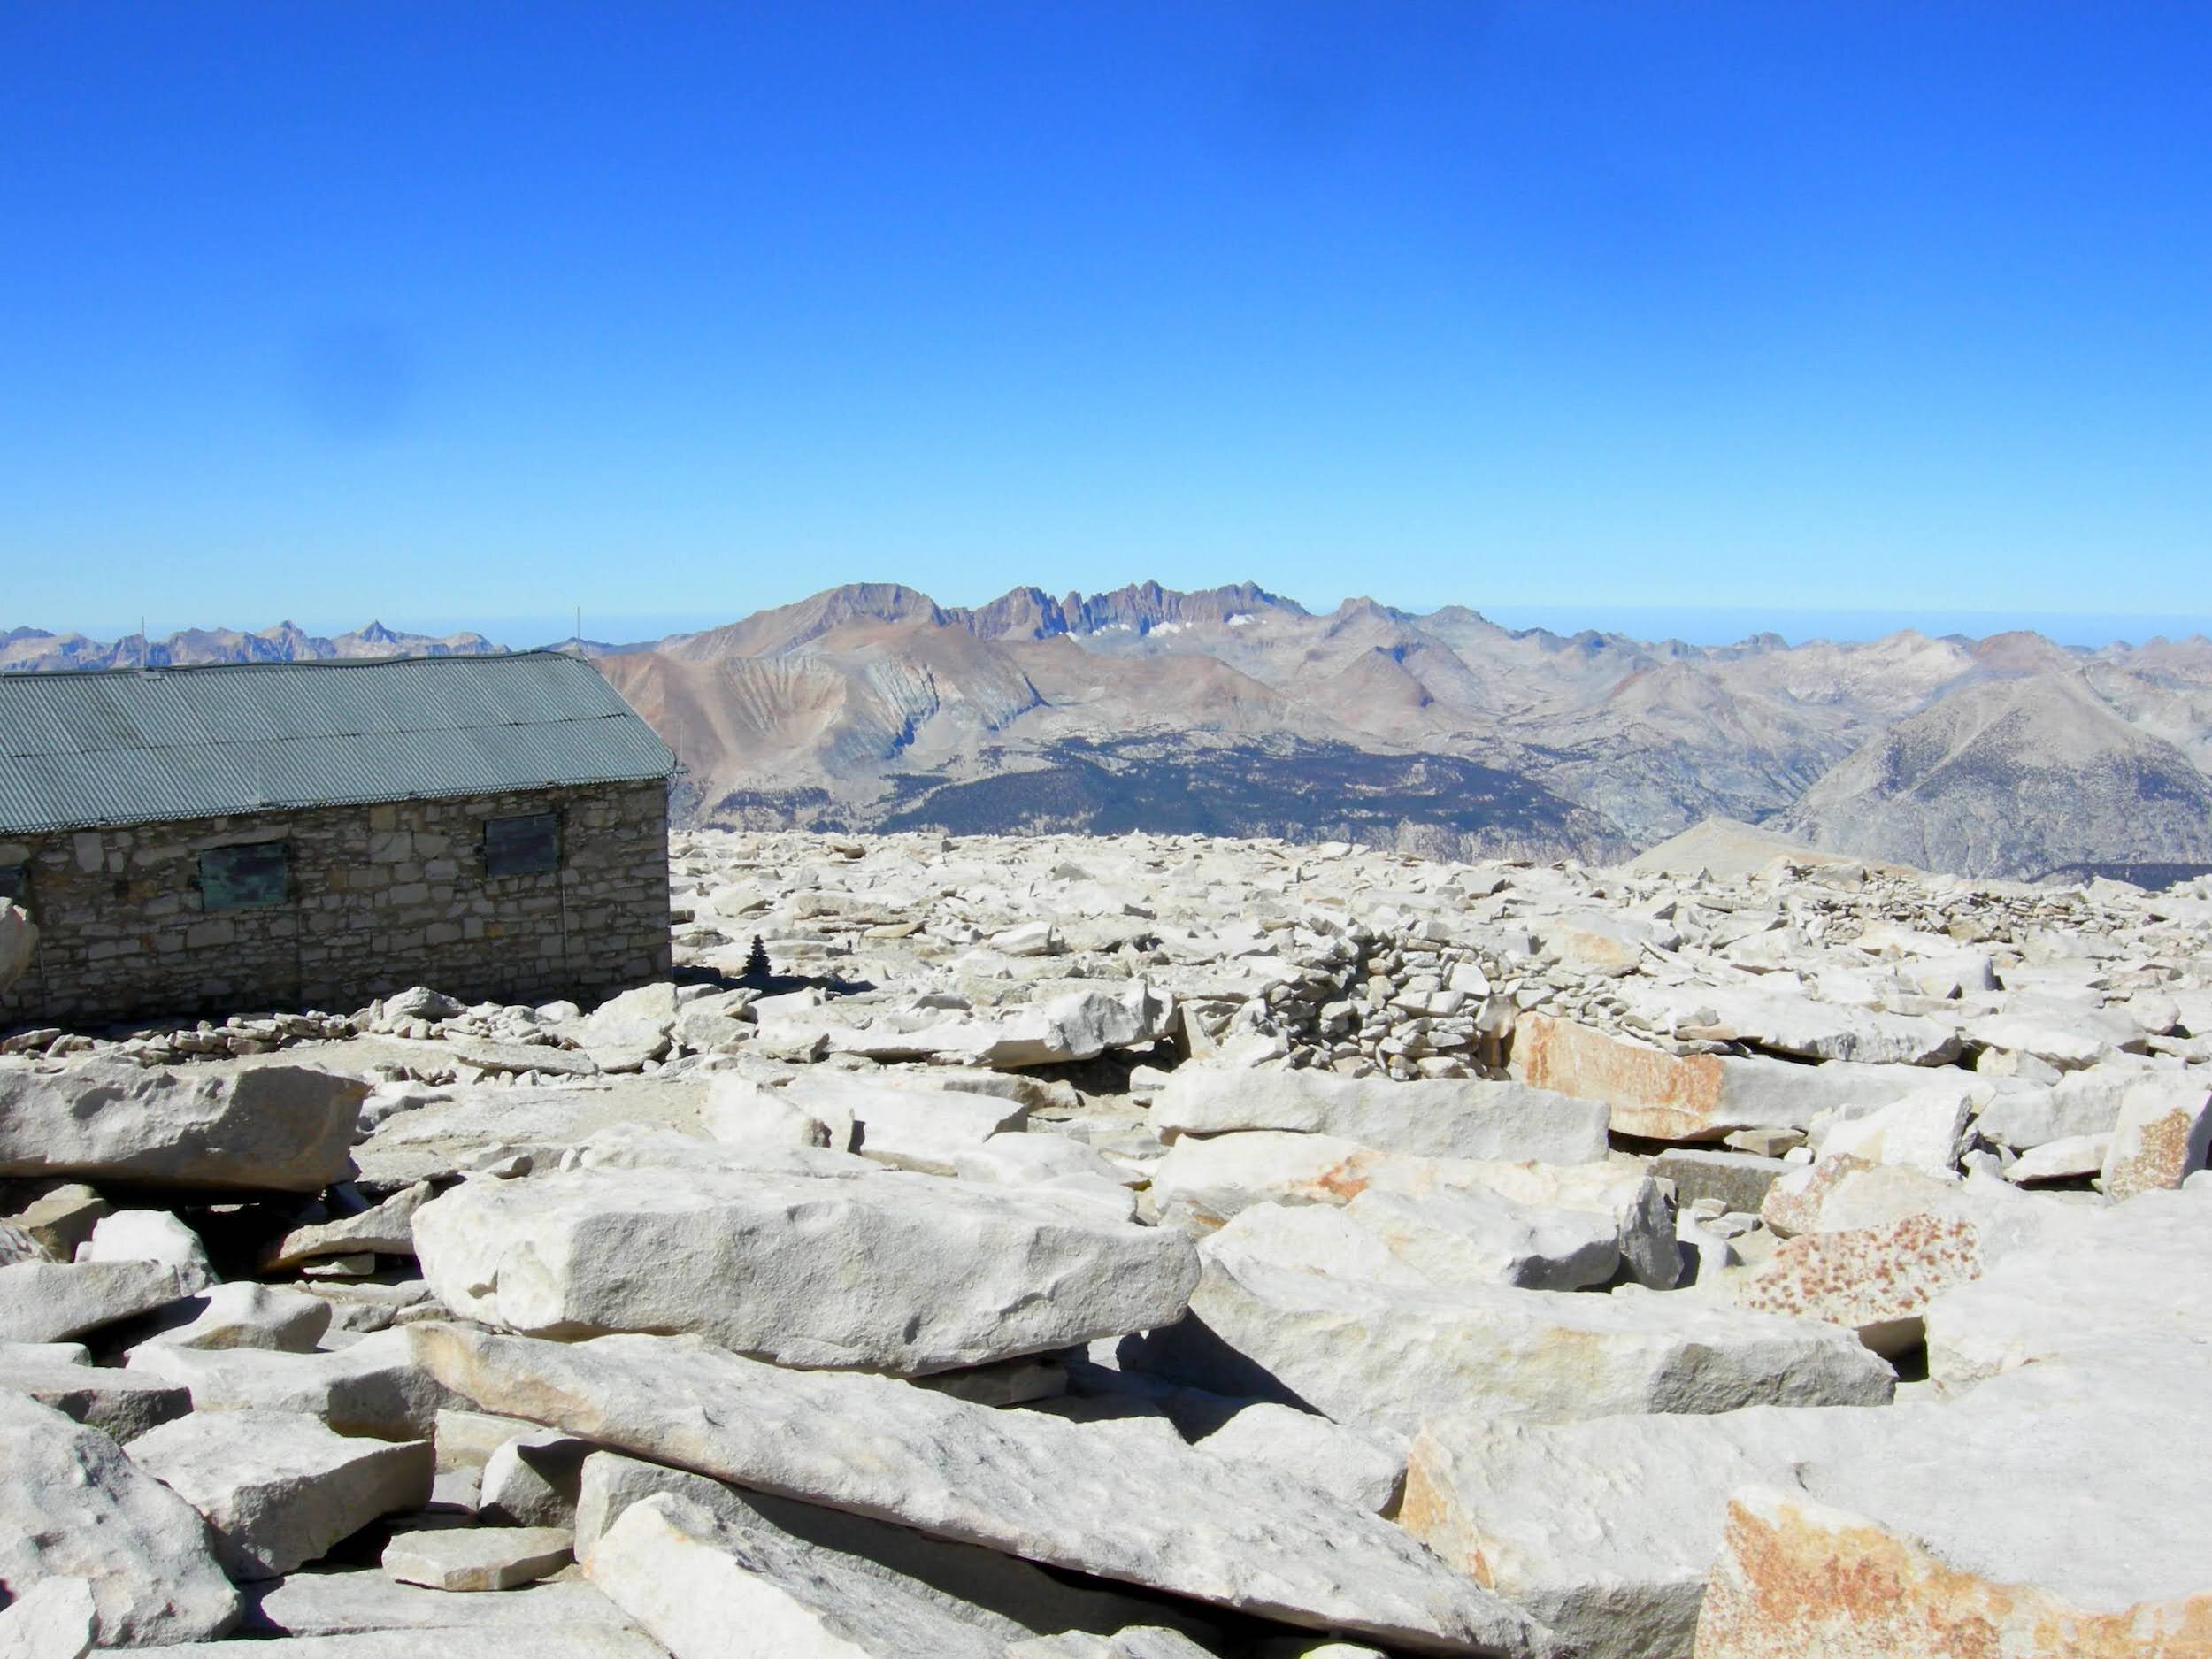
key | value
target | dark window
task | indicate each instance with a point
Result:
(522, 846)
(15, 881)
(245, 878)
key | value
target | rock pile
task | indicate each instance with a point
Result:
(1155, 1247)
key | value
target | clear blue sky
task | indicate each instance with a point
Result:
(464, 311)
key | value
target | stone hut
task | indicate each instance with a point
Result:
(312, 835)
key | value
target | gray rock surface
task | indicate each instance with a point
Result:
(1365, 1351)
(55, 1618)
(52, 1302)
(895, 1271)
(72, 1505)
(278, 1128)
(279, 1488)
(118, 1403)
(704, 1587)
(463, 1560)
(1051, 1492)
(1463, 1117)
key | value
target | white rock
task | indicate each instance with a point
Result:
(1053, 1492)
(624, 1032)
(466, 1559)
(279, 1128)
(1364, 1351)
(376, 1386)
(910, 1128)
(1478, 1236)
(2065, 1034)
(1604, 1530)
(53, 1619)
(2108, 1284)
(532, 1480)
(1209, 1180)
(1802, 1026)
(1019, 1597)
(740, 1112)
(1921, 1132)
(1447, 1117)
(2162, 1137)
(704, 1589)
(1029, 939)
(896, 1271)
(2084, 1102)
(279, 1488)
(145, 1235)
(386, 1229)
(353, 1602)
(51, 1301)
(1358, 1468)
(1936, 1523)
(71, 1505)
(62, 1376)
(2068, 1157)
(243, 1314)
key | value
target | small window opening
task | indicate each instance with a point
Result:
(526, 846)
(15, 881)
(252, 877)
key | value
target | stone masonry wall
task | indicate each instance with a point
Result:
(382, 897)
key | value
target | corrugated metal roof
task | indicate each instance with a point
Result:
(79, 750)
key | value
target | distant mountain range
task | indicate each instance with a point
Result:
(35, 649)
(1238, 711)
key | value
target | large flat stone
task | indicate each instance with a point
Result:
(1139, 1510)
(1805, 1026)
(1442, 1117)
(279, 1488)
(52, 1302)
(243, 1314)
(1363, 1350)
(469, 1560)
(2114, 1284)
(356, 1601)
(282, 1128)
(1019, 1594)
(72, 1505)
(706, 1589)
(896, 1271)
(1656, 1095)
(119, 1403)
(376, 1386)
(1605, 1529)
(1206, 1180)
(909, 1129)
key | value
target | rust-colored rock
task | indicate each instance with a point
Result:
(1650, 1093)
(1797, 1579)
(1877, 1280)
(2163, 1136)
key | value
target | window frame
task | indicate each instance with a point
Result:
(15, 885)
(555, 837)
(223, 897)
